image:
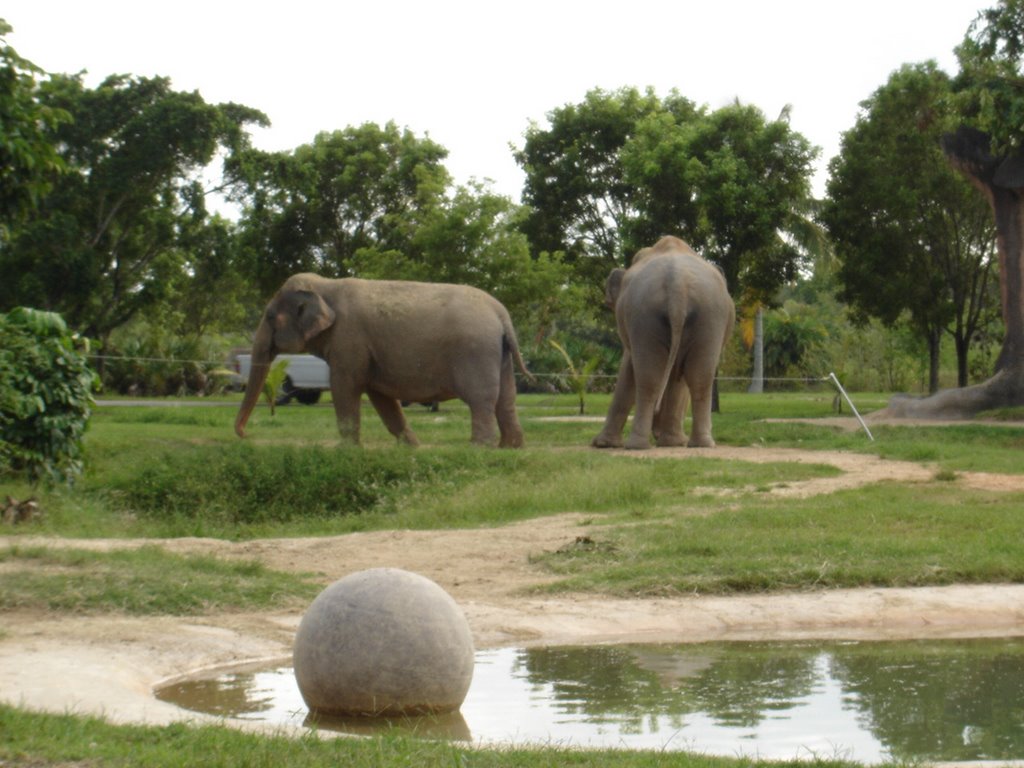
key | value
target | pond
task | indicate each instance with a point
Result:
(911, 701)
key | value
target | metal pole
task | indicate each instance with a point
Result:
(852, 406)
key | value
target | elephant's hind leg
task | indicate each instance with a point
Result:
(668, 422)
(700, 391)
(390, 412)
(505, 409)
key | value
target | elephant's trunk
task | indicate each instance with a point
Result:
(262, 355)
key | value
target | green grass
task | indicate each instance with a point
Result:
(145, 581)
(660, 526)
(656, 527)
(882, 535)
(34, 739)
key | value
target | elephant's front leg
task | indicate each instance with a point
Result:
(346, 397)
(391, 413)
(610, 435)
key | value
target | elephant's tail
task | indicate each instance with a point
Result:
(512, 342)
(677, 319)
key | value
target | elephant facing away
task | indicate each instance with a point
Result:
(395, 340)
(674, 315)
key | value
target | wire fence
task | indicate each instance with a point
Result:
(220, 371)
(205, 381)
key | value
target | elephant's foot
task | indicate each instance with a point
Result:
(348, 433)
(511, 439)
(604, 441)
(701, 441)
(637, 443)
(672, 441)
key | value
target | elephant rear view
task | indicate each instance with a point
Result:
(674, 315)
(395, 340)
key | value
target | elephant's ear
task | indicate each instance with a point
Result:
(612, 286)
(312, 314)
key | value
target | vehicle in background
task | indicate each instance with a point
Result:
(306, 377)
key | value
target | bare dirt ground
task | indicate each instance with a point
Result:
(110, 665)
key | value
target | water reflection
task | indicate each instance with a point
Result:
(948, 700)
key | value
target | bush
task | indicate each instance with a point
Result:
(45, 396)
(242, 484)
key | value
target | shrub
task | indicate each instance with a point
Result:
(45, 396)
(241, 484)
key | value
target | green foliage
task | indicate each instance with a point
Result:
(214, 488)
(614, 173)
(28, 160)
(578, 379)
(274, 382)
(141, 581)
(45, 396)
(581, 200)
(988, 88)
(730, 182)
(109, 240)
(794, 342)
(314, 209)
(473, 238)
(910, 233)
(146, 358)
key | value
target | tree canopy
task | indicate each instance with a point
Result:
(732, 183)
(105, 243)
(911, 235)
(314, 208)
(28, 159)
(987, 148)
(614, 173)
(581, 201)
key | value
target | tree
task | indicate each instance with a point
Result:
(105, 242)
(581, 201)
(313, 209)
(988, 148)
(733, 184)
(28, 160)
(913, 239)
(473, 237)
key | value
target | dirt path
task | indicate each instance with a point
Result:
(110, 665)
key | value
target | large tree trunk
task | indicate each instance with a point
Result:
(1001, 180)
(934, 348)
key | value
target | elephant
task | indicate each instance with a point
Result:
(395, 340)
(674, 316)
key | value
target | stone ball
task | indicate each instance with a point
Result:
(383, 642)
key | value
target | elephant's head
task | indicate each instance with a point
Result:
(613, 287)
(293, 317)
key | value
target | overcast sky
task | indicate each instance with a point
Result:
(473, 75)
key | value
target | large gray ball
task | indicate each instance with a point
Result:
(383, 642)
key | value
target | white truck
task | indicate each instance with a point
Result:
(306, 377)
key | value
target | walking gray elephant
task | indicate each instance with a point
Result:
(395, 340)
(674, 316)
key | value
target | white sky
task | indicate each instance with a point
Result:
(473, 74)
